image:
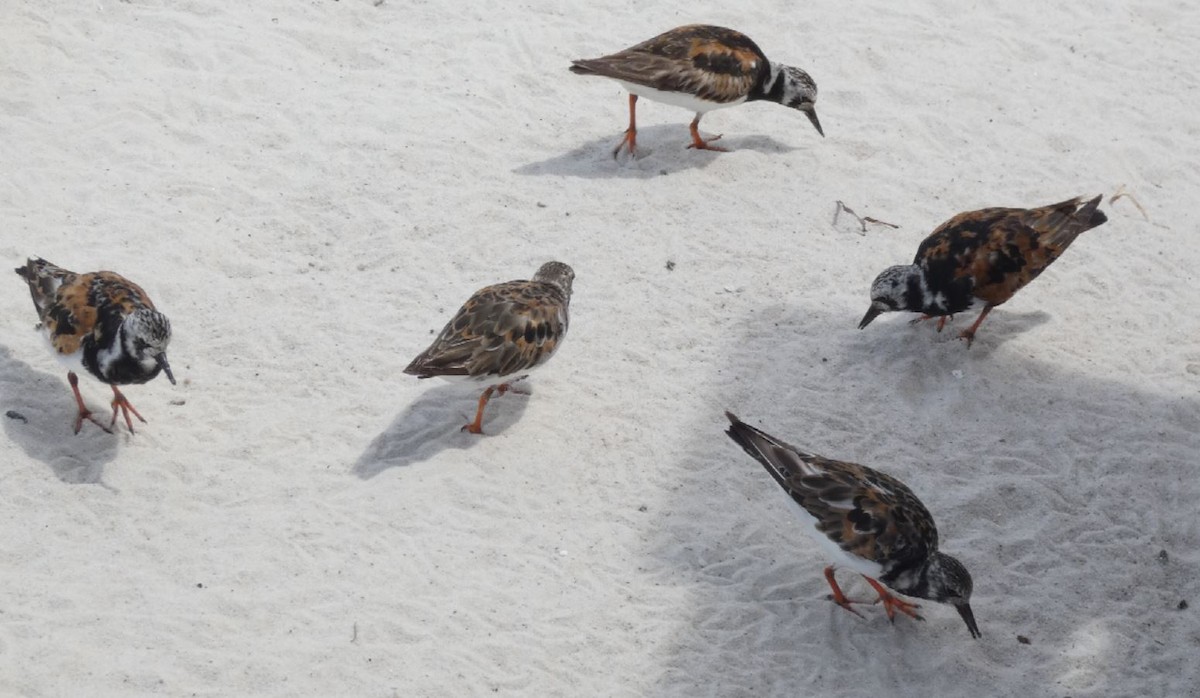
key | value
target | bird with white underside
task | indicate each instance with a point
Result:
(103, 324)
(701, 68)
(866, 521)
(982, 256)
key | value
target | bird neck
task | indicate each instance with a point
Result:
(770, 87)
(910, 578)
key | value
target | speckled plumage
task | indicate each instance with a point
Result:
(986, 255)
(701, 68)
(866, 520)
(502, 333)
(106, 323)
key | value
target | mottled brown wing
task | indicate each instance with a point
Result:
(93, 303)
(1000, 250)
(502, 330)
(713, 63)
(114, 298)
(864, 511)
(111, 290)
(71, 306)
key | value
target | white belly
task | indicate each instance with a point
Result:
(839, 557)
(71, 362)
(677, 99)
(488, 380)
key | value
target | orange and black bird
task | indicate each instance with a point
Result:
(981, 256)
(866, 521)
(104, 323)
(501, 334)
(701, 68)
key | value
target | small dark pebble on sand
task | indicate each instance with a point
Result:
(1022, 639)
(1182, 605)
(670, 265)
(1163, 557)
(13, 414)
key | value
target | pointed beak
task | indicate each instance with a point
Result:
(968, 617)
(166, 367)
(871, 315)
(812, 116)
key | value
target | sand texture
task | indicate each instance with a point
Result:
(310, 188)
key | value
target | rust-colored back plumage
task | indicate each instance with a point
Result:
(1000, 250)
(713, 63)
(72, 306)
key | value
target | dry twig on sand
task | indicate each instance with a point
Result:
(1120, 192)
(861, 221)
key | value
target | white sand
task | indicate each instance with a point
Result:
(308, 189)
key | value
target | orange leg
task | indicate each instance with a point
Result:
(969, 333)
(891, 604)
(699, 143)
(941, 320)
(838, 597)
(121, 403)
(630, 139)
(476, 427)
(84, 412)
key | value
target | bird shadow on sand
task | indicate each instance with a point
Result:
(662, 150)
(1039, 476)
(433, 423)
(999, 328)
(43, 428)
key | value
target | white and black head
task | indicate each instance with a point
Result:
(949, 582)
(557, 274)
(145, 335)
(795, 89)
(896, 288)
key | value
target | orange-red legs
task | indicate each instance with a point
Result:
(838, 597)
(119, 402)
(891, 604)
(941, 320)
(969, 333)
(699, 143)
(630, 139)
(476, 427)
(84, 412)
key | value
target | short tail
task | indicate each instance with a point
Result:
(781, 460)
(44, 279)
(580, 67)
(1063, 222)
(1089, 215)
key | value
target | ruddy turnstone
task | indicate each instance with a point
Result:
(867, 521)
(104, 323)
(701, 68)
(501, 334)
(986, 255)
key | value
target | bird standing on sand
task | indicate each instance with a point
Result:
(986, 255)
(501, 334)
(866, 521)
(104, 323)
(701, 68)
